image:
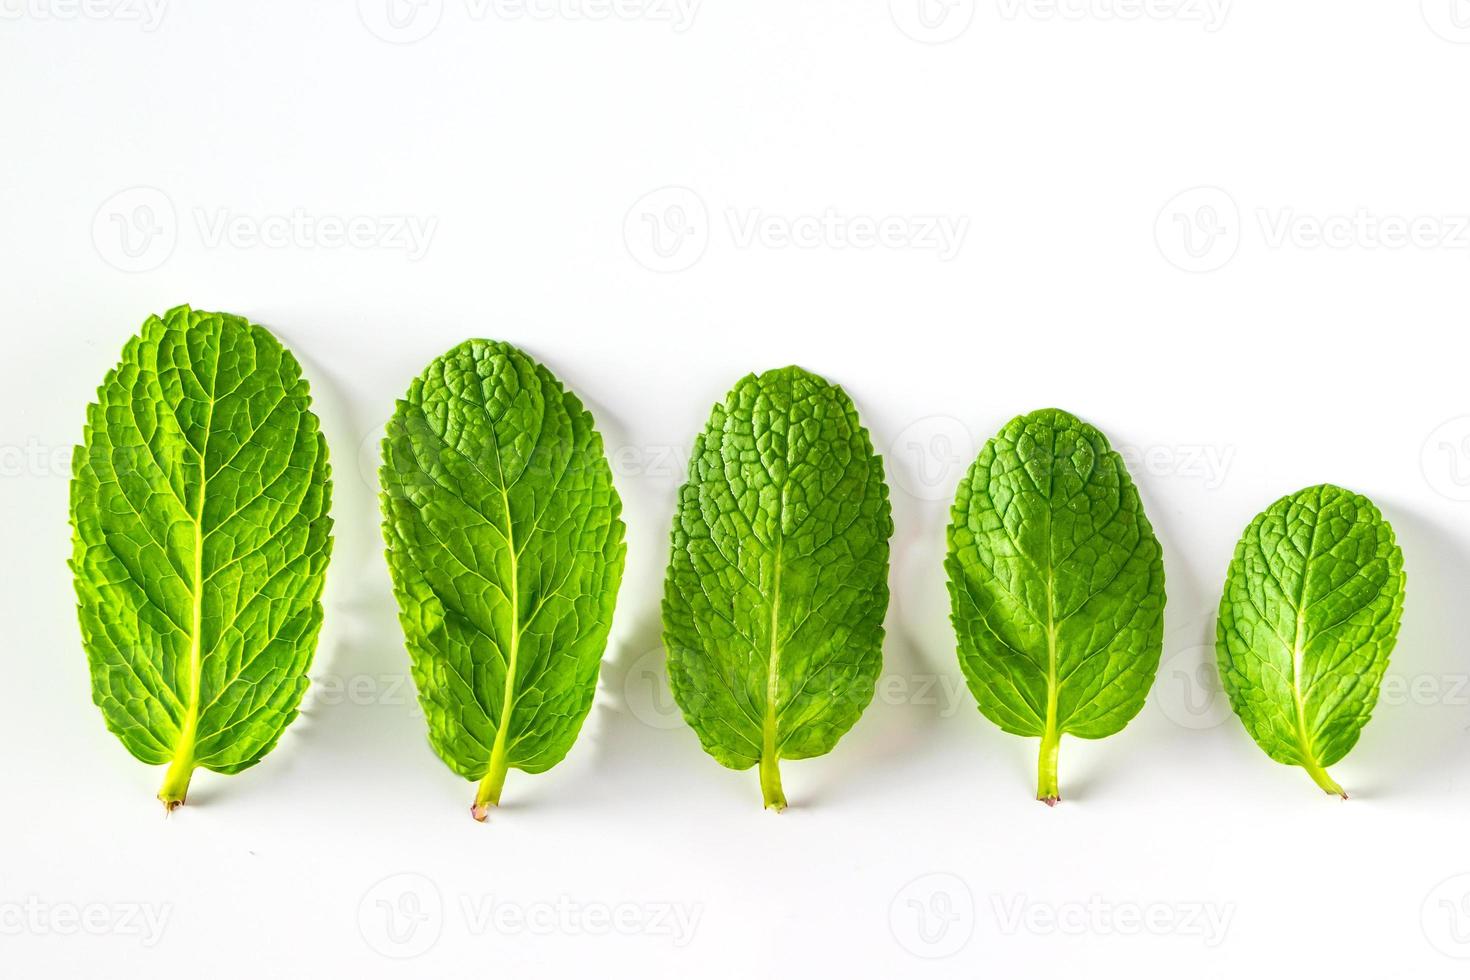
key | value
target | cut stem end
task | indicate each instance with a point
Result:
(488, 794)
(771, 793)
(1326, 782)
(1046, 768)
(175, 787)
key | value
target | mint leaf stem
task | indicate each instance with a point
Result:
(1046, 768)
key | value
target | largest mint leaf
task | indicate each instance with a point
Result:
(776, 591)
(506, 552)
(199, 506)
(1056, 584)
(1310, 612)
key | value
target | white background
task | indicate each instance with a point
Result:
(1137, 191)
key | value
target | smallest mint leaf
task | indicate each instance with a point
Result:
(1308, 618)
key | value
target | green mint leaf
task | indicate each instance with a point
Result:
(1308, 619)
(199, 501)
(506, 552)
(1056, 584)
(777, 587)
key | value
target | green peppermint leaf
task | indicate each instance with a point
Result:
(506, 552)
(1056, 584)
(778, 584)
(199, 502)
(1310, 613)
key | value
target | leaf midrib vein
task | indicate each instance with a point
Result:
(773, 663)
(1298, 648)
(189, 732)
